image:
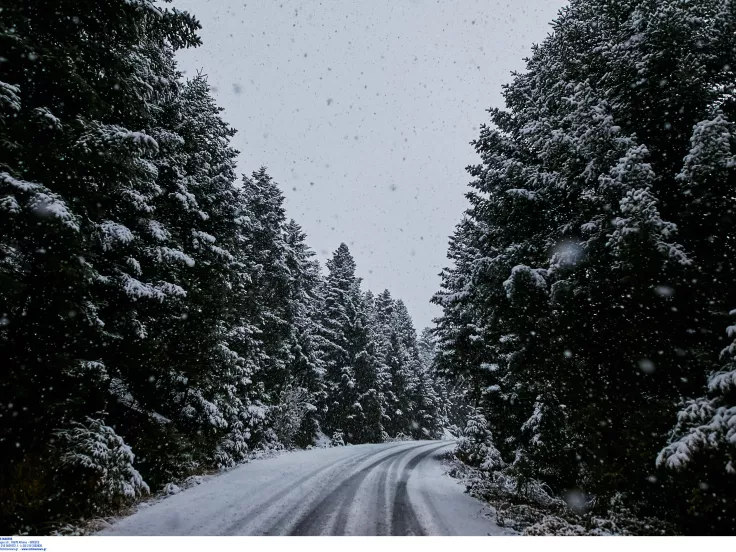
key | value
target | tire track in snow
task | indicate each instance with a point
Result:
(341, 498)
(404, 520)
(382, 510)
(385, 467)
(330, 502)
(438, 525)
(261, 508)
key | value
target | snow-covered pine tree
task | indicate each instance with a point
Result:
(432, 410)
(337, 317)
(202, 381)
(406, 376)
(427, 347)
(95, 468)
(544, 451)
(371, 374)
(304, 366)
(476, 447)
(445, 411)
(268, 292)
(383, 313)
(464, 356)
(402, 364)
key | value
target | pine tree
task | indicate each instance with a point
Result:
(268, 291)
(207, 391)
(406, 374)
(476, 446)
(435, 387)
(91, 451)
(336, 326)
(305, 368)
(371, 375)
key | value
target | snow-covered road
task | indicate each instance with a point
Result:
(383, 489)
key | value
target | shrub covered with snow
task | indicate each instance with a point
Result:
(96, 466)
(476, 447)
(337, 439)
(171, 489)
(289, 415)
(532, 509)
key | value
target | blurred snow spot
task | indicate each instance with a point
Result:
(576, 500)
(646, 366)
(567, 253)
(568, 353)
(664, 291)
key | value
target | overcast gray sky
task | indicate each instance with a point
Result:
(363, 111)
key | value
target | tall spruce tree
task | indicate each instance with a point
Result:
(335, 341)
(371, 376)
(304, 367)
(268, 290)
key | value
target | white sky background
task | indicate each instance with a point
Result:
(363, 111)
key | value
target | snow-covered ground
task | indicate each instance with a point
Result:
(383, 489)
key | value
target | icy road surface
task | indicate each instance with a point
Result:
(384, 489)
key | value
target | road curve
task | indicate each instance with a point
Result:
(383, 489)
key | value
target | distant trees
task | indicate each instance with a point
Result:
(372, 365)
(156, 317)
(590, 275)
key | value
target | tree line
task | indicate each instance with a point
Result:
(588, 310)
(160, 317)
